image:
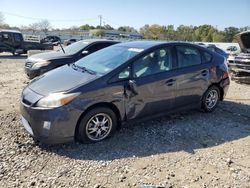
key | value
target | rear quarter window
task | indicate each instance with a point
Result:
(188, 56)
(206, 57)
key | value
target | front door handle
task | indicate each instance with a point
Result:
(170, 82)
(204, 72)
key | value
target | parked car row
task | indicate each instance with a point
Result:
(104, 84)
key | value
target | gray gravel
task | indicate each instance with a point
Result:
(189, 149)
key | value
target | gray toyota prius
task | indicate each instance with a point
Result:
(89, 99)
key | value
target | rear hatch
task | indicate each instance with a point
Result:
(244, 41)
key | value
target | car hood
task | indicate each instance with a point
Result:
(244, 41)
(48, 56)
(61, 79)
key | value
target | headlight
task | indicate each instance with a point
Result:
(39, 64)
(56, 100)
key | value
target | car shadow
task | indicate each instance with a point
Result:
(9, 56)
(187, 131)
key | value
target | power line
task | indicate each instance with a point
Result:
(107, 20)
(52, 20)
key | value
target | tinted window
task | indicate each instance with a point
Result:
(206, 57)
(188, 56)
(17, 37)
(211, 48)
(155, 62)
(5, 36)
(122, 75)
(96, 47)
(75, 47)
(219, 51)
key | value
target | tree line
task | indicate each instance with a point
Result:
(202, 33)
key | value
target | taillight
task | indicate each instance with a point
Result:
(225, 75)
(226, 63)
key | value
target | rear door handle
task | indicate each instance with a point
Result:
(170, 82)
(204, 72)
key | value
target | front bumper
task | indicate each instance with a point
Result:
(51, 126)
(32, 73)
(240, 72)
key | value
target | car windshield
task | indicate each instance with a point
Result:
(75, 47)
(107, 59)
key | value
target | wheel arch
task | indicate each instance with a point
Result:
(220, 89)
(101, 104)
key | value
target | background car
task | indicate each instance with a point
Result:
(40, 63)
(69, 41)
(126, 82)
(240, 66)
(232, 50)
(55, 40)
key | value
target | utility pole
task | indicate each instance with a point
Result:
(100, 17)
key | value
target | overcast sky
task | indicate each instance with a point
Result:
(136, 13)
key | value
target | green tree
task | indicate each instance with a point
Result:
(185, 33)
(219, 36)
(204, 33)
(155, 32)
(127, 29)
(230, 32)
(86, 27)
(169, 33)
(246, 28)
(99, 33)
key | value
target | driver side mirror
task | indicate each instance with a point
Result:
(132, 86)
(85, 52)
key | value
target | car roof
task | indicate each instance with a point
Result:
(10, 31)
(149, 44)
(99, 40)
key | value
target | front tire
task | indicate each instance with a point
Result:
(96, 125)
(210, 99)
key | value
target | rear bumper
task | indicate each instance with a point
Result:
(224, 84)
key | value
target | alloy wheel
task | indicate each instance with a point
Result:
(212, 99)
(99, 126)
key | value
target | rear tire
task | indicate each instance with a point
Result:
(210, 99)
(96, 125)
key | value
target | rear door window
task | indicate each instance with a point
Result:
(17, 37)
(96, 47)
(188, 56)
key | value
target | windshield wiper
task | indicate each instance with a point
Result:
(83, 69)
(61, 47)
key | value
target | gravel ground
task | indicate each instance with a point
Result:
(191, 149)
